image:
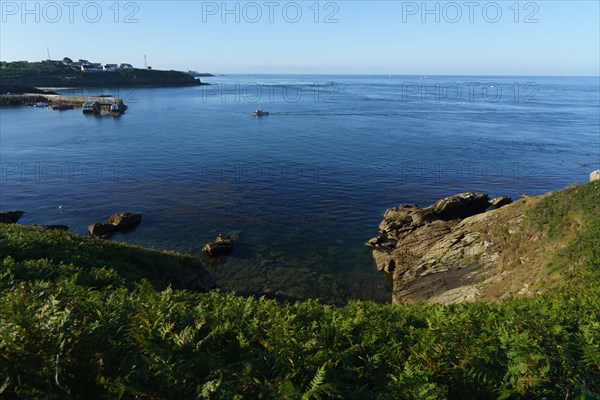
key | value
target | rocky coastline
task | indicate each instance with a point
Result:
(458, 249)
(461, 248)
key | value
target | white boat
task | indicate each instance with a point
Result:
(41, 104)
(88, 107)
(259, 113)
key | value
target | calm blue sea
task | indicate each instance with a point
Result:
(303, 189)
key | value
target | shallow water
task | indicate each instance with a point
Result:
(305, 187)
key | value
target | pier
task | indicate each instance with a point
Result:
(30, 99)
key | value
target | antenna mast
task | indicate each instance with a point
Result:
(48, 50)
(145, 62)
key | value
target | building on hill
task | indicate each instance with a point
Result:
(91, 67)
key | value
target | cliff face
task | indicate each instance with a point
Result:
(455, 251)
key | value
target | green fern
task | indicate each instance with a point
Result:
(318, 389)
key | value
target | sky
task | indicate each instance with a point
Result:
(559, 38)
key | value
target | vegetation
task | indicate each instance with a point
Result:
(49, 74)
(84, 318)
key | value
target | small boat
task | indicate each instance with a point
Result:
(118, 107)
(62, 107)
(259, 113)
(41, 104)
(88, 107)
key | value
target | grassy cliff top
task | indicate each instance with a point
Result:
(86, 318)
(47, 74)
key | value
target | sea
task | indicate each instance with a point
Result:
(302, 189)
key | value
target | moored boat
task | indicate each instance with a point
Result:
(41, 104)
(88, 107)
(118, 107)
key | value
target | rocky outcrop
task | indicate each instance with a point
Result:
(116, 222)
(437, 253)
(595, 176)
(461, 206)
(124, 221)
(101, 230)
(220, 247)
(500, 201)
(10, 217)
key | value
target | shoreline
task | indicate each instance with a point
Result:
(456, 250)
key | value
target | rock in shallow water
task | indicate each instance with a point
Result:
(125, 220)
(116, 222)
(102, 230)
(221, 246)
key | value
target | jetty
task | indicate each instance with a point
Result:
(30, 99)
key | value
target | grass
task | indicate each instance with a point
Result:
(83, 318)
(544, 241)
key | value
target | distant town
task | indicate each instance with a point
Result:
(88, 66)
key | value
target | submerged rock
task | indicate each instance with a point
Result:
(221, 246)
(10, 217)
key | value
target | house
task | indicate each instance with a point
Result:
(110, 67)
(91, 67)
(125, 66)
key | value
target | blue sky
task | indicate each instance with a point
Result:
(354, 37)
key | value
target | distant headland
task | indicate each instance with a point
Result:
(22, 76)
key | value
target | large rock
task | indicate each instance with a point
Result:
(461, 206)
(431, 252)
(221, 246)
(10, 217)
(101, 230)
(384, 261)
(124, 221)
(595, 176)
